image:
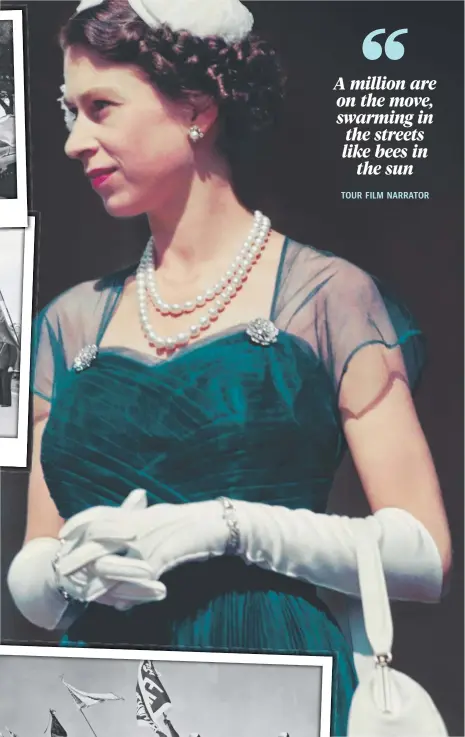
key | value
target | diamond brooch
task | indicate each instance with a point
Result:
(263, 332)
(85, 357)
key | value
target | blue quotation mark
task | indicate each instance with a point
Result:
(393, 49)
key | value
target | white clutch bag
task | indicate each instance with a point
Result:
(385, 702)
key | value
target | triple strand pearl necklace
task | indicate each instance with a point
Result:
(218, 296)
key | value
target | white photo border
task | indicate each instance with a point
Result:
(325, 662)
(14, 451)
(14, 212)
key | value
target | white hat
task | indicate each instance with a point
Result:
(228, 19)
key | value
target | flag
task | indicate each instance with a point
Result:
(7, 333)
(83, 699)
(55, 729)
(151, 697)
(142, 717)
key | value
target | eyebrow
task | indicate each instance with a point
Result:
(93, 93)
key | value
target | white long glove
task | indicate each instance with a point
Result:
(320, 548)
(317, 548)
(35, 584)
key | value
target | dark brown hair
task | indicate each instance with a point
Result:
(245, 79)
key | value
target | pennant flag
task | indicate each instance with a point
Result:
(56, 729)
(151, 697)
(7, 333)
(83, 699)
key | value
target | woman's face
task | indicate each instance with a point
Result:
(131, 141)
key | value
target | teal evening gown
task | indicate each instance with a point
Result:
(223, 416)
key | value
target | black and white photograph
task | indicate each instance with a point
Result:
(13, 176)
(80, 694)
(16, 280)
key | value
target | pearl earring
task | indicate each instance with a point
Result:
(195, 134)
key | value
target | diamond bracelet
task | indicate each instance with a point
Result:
(230, 517)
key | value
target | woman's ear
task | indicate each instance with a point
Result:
(204, 113)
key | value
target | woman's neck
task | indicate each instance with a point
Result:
(211, 228)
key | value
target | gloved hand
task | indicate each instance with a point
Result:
(36, 582)
(163, 536)
(78, 571)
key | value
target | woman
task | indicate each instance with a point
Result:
(230, 406)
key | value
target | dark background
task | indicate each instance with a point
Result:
(296, 176)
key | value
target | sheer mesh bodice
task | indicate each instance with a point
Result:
(223, 416)
(331, 305)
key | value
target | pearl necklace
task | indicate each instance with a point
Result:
(241, 264)
(219, 295)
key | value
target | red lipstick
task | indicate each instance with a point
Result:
(98, 177)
